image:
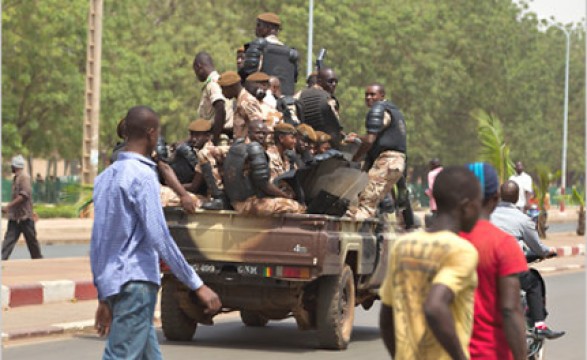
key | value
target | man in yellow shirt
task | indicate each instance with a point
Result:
(427, 295)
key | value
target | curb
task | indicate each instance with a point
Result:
(570, 250)
(44, 292)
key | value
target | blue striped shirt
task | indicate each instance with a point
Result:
(130, 234)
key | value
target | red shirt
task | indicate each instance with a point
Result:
(499, 255)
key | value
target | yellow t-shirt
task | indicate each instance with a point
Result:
(416, 262)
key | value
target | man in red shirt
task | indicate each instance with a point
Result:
(499, 330)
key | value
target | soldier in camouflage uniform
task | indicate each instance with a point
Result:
(323, 142)
(248, 108)
(247, 177)
(385, 149)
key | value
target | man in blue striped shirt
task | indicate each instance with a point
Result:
(129, 237)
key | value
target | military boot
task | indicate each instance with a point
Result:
(219, 201)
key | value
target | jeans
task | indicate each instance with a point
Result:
(132, 334)
(13, 231)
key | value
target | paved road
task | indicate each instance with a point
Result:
(229, 339)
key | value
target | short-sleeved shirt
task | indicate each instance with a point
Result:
(21, 185)
(524, 182)
(212, 92)
(248, 109)
(417, 261)
(499, 256)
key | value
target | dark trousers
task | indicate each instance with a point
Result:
(533, 285)
(15, 228)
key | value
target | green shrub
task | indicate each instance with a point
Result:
(47, 211)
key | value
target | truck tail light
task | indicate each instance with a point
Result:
(292, 272)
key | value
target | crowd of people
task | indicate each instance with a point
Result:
(451, 291)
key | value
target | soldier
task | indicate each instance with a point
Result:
(320, 107)
(213, 105)
(282, 154)
(258, 85)
(240, 58)
(247, 177)
(305, 140)
(285, 104)
(185, 164)
(322, 142)
(248, 107)
(268, 54)
(385, 146)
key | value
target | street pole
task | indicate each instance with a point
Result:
(90, 154)
(565, 119)
(310, 36)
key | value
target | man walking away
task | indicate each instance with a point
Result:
(514, 222)
(20, 213)
(499, 330)
(128, 239)
(427, 295)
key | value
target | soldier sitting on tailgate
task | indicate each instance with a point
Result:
(268, 54)
(247, 177)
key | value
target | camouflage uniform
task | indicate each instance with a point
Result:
(278, 166)
(387, 169)
(170, 198)
(268, 206)
(388, 154)
(248, 108)
(213, 155)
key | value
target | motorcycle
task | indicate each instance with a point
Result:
(534, 342)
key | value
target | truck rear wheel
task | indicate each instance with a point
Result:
(251, 318)
(177, 326)
(336, 310)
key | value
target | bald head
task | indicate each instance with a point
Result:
(139, 120)
(257, 131)
(327, 79)
(275, 86)
(203, 65)
(510, 191)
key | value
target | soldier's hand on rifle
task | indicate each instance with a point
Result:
(209, 299)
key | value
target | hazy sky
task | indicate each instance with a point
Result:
(564, 11)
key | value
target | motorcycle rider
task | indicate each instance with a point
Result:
(510, 219)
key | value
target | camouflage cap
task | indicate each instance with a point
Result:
(270, 18)
(322, 137)
(258, 77)
(307, 131)
(284, 128)
(200, 125)
(229, 78)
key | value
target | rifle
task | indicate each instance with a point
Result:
(320, 59)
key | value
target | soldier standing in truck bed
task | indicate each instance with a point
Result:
(320, 107)
(268, 54)
(385, 146)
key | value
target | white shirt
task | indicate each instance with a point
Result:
(524, 182)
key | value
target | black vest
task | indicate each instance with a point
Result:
(392, 137)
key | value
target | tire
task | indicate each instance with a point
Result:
(250, 318)
(177, 326)
(336, 310)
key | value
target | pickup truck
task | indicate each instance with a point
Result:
(316, 268)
